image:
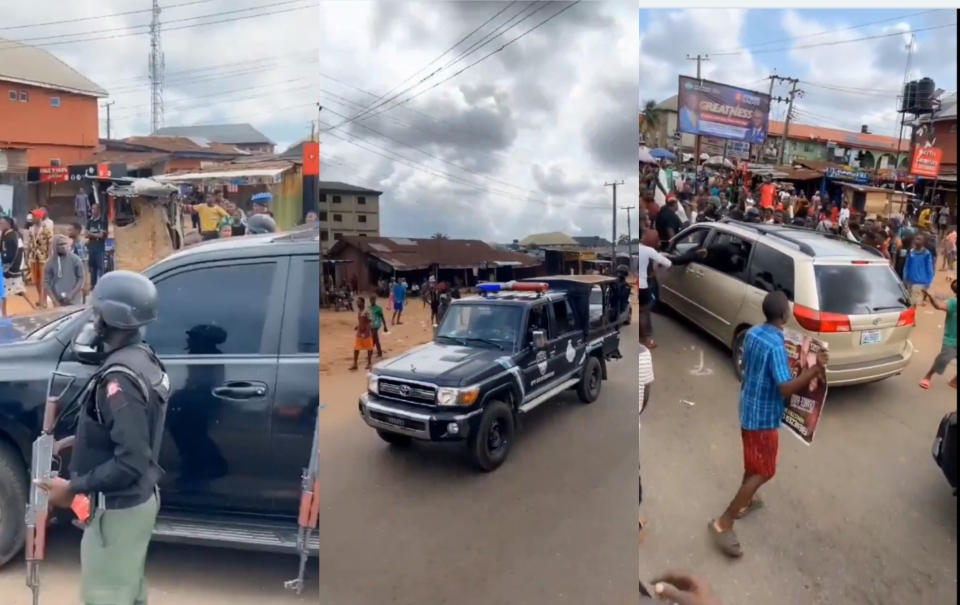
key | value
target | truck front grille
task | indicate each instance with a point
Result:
(404, 391)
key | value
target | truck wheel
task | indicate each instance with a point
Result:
(395, 438)
(490, 445)
(13, 498)
(589, 388)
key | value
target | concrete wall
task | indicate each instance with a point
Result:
(66, 133)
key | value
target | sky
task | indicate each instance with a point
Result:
(520, 143)
(846, 83)
(226, 61)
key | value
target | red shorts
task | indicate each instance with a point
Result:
(760, 452)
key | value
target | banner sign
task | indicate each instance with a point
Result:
(926, 162)
(725, 112)
(842, 174)
(79, 172)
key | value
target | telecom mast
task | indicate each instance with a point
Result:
(156, 65)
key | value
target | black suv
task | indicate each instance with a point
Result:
(493, 358)
(238, 331)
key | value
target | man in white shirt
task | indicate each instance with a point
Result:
(646, 255)
(844, 214)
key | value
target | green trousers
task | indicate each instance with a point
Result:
(113, 555)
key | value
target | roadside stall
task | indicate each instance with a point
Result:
(240, 181)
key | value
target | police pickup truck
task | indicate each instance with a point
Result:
(493, 358)
(238, 331)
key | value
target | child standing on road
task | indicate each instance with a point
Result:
(364, 337)
(918, 270)
(377, 322)
(948, 352)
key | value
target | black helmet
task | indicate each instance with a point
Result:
(623, 270)
(125, 300)
(752, 215)
(261, 223)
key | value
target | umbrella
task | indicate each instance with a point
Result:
(719, 161)
(646, 157)
(662, 154)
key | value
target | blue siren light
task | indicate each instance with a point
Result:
(491, 287)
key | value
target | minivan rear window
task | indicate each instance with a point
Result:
(859, 289)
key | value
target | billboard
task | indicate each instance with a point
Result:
(926, 162)
(724, 112)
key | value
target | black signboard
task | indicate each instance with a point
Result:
(77, 172)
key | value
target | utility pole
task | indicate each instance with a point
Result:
(696, 147)
(156, 65)
(794, 93)
(107, 107)
(613, 259)
(629, 231)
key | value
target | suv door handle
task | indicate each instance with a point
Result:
(240, 390)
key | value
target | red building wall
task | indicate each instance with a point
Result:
(67, 133)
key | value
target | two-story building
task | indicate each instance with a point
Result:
(242, 136)
(347, 210)
(47, 108)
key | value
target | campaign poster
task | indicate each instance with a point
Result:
(725, 112)
(802, 413)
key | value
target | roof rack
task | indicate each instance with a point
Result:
(778, 231)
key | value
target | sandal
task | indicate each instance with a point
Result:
(755, 505)
(726, 541)
(925, 383)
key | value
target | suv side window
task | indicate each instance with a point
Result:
(691, 240)
(308, 334)
(771, 270)
(539, 319)
(733, 264)
(564, 317)
(213, 310)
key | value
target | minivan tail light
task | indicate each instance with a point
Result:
(908, 317)
(815, 321)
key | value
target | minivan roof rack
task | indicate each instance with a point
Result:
(783, 232)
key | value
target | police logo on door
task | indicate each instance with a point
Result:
(542, 362)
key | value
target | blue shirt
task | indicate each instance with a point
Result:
(765, 369)
(399, 292)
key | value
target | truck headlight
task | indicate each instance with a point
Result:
(373, 384)
(449, 397)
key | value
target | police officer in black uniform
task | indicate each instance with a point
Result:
(261, 223)
(121, 419)
(620, 294)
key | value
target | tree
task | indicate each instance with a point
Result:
(623, 239)
(439, 235)
(652, 120)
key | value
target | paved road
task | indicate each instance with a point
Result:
(177, 575)
(862, 517)
(552, 526)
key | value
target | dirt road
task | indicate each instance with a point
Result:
(861, 517)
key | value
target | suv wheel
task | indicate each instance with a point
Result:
(490, 445)
(589, 388)
(13, 498)
(395, 438)
(737, 351)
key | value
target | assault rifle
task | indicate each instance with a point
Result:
(45, 449)
(309, 511)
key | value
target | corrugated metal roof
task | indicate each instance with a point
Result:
(410, 254)
(548, 239)
(338, 187)
(173, 144)
(133, 159)
(230, 134)
(37, 67)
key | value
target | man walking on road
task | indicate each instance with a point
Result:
(63, 275)
(399, 296)
(767, 386)
(97, 230)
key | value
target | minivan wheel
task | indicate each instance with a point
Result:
(13, 498)
(738, 353)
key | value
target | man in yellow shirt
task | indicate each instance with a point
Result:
(923, 222)
(210, 215)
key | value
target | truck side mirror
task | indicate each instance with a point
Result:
(539, 339)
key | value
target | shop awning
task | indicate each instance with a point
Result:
(249, 176)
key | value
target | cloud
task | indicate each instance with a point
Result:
(846, 83)
(260, 70)
(522, 142)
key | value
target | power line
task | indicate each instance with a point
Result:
(184, 82)
(439, 159)
(218, 67)
(835, 43)
(225, 92)
(217, 103)
(443, 54)
(831, 31)
(496, 33)
(263, 113)
(106, 16)
(427, 170)
(484, 58)
(169, 29)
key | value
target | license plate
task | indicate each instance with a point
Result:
(394, 421)
(870, 337)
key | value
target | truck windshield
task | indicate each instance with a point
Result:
(495, 325)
